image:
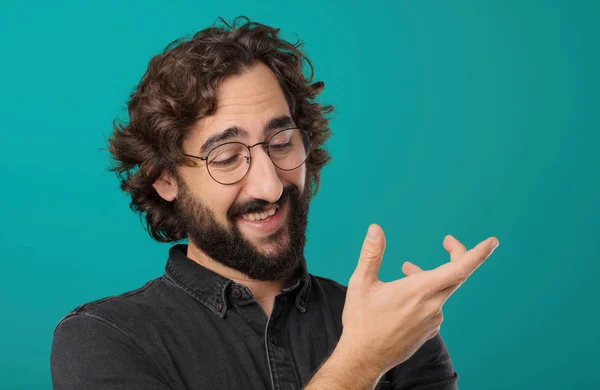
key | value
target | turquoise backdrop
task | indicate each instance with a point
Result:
(471, 118)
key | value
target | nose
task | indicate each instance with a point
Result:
(262, 181)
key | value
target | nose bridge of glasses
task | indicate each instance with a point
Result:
(265, 148)
(263, 166)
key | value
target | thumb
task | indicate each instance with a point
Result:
(370, 256)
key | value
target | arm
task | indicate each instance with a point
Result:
(396, 325)
(345, 369)
(430, 368)
(88, 353)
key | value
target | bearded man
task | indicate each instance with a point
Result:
(223, 147)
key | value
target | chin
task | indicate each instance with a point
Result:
(273, 244)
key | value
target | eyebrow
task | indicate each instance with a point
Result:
(279, 122)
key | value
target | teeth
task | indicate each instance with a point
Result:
(260, 216)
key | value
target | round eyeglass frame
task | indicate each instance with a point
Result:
(249, 158)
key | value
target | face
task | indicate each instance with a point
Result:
(257, 225)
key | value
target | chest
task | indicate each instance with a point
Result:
(248, 350)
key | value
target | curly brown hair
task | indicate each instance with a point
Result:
(179, 88)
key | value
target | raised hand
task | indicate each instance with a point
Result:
(385, 323)
(454, 248)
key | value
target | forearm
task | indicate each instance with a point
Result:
(345, 369)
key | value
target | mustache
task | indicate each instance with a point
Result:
(258, 205)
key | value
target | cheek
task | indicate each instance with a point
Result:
(296, 177)
(217, 197)
(301, 177)
(220, 201)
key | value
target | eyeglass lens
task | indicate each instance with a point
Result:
(229, 163)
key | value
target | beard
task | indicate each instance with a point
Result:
(227, 245)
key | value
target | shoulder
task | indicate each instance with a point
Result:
(121, 311)
(102, 343)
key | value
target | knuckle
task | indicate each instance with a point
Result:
(460, 275)
(421, 295)
(369, 252)
(439, 318)
(432, 310)
(355, 281)
(434, 332)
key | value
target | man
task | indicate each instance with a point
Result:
(224, 146)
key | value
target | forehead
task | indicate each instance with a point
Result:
(247, 101)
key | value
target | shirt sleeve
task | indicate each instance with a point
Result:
(89, 353)
(430, 368)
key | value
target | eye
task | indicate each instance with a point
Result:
(282, 141)
(227, 155)
(229, 161)
(283, 137)
(281, 147)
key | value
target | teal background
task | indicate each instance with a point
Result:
(471, 118)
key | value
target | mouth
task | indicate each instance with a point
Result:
(268, 220)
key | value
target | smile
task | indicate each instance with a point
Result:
(268, 220)
(266, 213)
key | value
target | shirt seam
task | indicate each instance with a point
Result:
(173, 279)
(269, 356)
(99, 318)
(79, 309)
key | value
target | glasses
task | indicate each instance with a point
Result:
(229, 163)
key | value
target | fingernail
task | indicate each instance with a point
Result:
(495, 243)
(372, 233)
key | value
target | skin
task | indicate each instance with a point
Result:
(247, 101)
(386, 323)
(374, 338)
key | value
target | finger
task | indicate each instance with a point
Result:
(454, 247)
(456, 272)
(442, 296)
(409, 268)
(370, 256)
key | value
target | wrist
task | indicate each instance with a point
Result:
(360, 358)
(348, 367)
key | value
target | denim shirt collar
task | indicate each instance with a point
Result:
(210, 288)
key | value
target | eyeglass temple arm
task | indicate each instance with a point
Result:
(199, 158)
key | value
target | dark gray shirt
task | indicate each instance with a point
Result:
(194, 329)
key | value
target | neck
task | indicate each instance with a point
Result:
(261, 290)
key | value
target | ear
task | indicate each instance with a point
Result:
(166, 186)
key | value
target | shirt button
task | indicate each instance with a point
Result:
(219, 306)
(236, 293)
(302, 301)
